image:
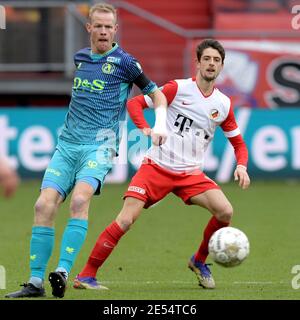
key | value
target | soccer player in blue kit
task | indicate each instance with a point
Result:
(86, 146)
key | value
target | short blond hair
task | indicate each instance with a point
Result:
(103, 7)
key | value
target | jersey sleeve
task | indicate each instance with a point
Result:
(169, 90)
(232, 132)
(136, 105)
(75, 59)
(137, 76)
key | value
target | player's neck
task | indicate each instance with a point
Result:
(97, 51)
(206, 87)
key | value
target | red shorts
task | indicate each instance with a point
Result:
(152, 183)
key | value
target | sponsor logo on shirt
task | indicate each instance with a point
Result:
(114, 60)
(183, 123)
(137, 189)
(86, 85)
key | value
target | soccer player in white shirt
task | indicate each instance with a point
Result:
(195, 109)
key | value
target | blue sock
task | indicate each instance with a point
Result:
(73, 238)
(41, 245)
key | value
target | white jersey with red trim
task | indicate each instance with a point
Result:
(192, 119)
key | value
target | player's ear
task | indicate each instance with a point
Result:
(116, 27)
(88, 27)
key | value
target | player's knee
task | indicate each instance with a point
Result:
(126, 218)
(130, 212)
(225, 214)
(78, 204)
(125, 222)
(44, 211)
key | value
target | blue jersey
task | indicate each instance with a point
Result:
(102, 84)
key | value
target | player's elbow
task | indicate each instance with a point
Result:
(158, 98)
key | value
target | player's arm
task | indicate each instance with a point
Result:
(232, 132)
(155, 99)
(241, 154)
(159, 131)
(135, 107)
(9, 179)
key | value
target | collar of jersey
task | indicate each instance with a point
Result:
(97, 56)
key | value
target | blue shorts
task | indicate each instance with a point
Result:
(73, 162)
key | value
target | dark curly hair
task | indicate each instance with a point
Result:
(210, 43)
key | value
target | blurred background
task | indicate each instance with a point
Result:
(261, 75)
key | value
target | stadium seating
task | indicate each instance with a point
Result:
(161, 51)
(252, 14)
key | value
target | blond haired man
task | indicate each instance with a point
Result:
(89, 140)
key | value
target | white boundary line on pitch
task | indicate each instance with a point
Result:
(255, 282)
(260, 282)
(145, 282)
(180, 281)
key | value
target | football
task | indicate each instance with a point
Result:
(229, 246)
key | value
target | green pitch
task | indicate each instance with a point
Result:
(150, 261)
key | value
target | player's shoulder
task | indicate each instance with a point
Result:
(125, 59)
(223, 98)
(83, 53)
(123, 54)
(181, 83)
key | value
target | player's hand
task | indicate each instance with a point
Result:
(159, 132)
(157, 138)
(9, 182)
(241, 175)
(147, 131)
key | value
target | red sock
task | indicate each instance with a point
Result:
(212, 226)
(105, 244)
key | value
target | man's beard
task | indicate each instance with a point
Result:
(209, 79)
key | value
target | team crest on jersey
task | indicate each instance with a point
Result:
(214, 114)
(114, 60)
(108, 68)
